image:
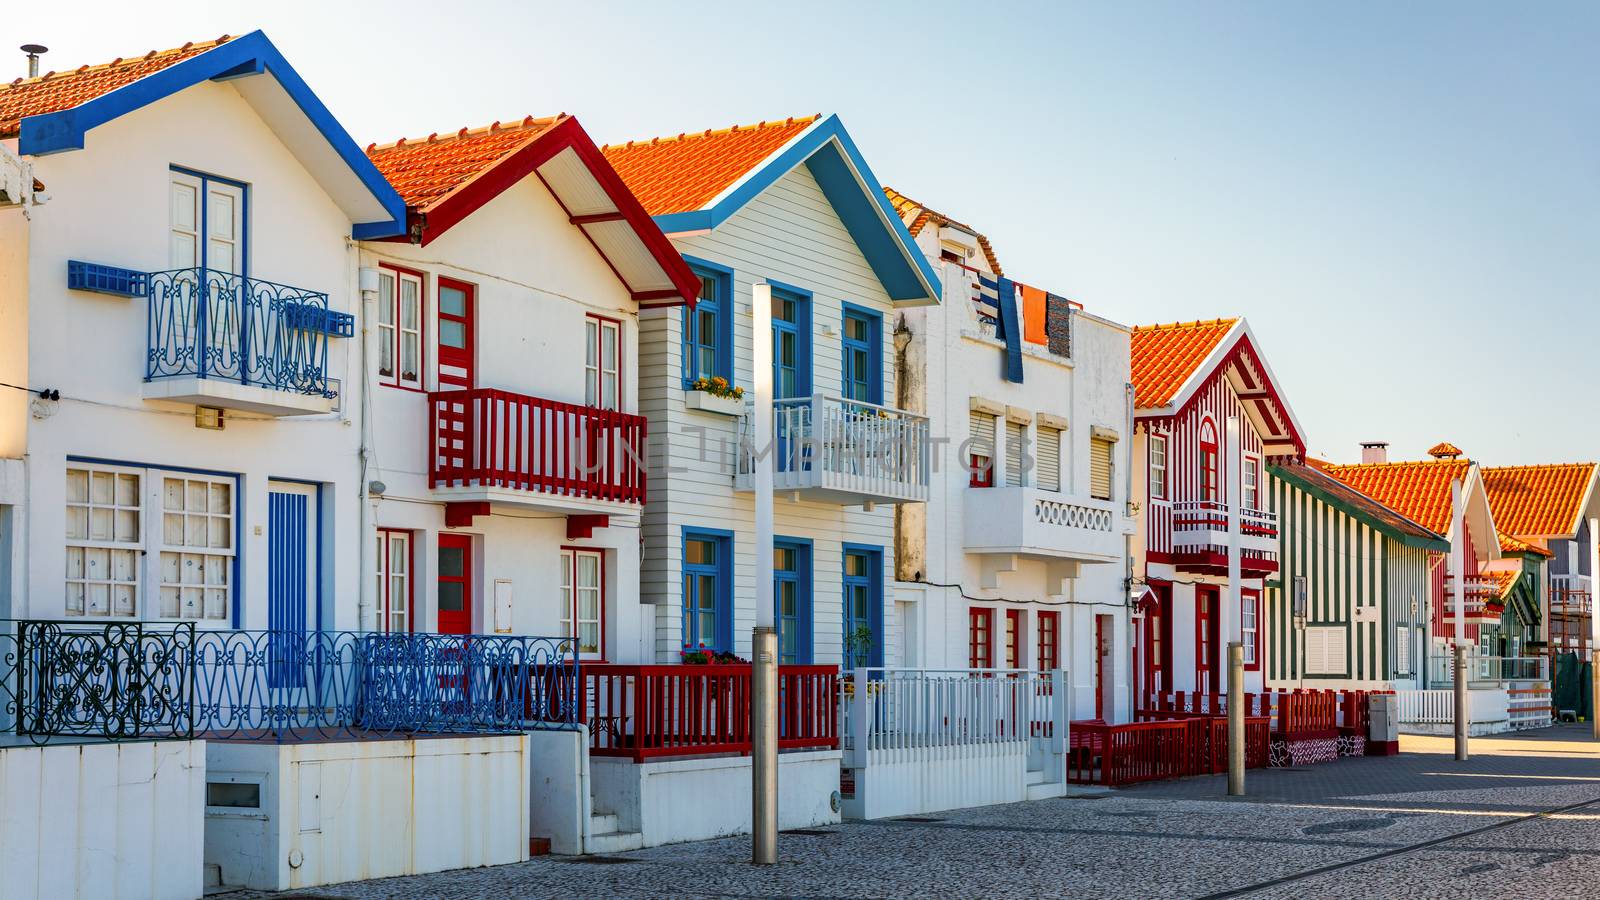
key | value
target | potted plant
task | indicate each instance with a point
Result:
(715, 395)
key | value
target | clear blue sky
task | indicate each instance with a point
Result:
(1401, 198)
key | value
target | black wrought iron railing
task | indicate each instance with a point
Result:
(128, 681)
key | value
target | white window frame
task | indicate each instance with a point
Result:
(83, 548)
(1158, 484)
(1249, 624)
(1250, 483)
(571, 591)
(152, 578)
(392, 334)
(602, 383)
(200, 230)
(390, 580)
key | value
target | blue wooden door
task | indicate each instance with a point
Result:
(291, 579)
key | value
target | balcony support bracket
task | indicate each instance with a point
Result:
(461, 514)
(582, 527)
(994, 565)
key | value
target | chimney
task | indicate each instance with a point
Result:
(33, 51)
(1374, 452)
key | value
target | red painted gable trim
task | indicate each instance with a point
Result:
(437, 218)
(1238, 350)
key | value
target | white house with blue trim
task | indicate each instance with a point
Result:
(793, 205)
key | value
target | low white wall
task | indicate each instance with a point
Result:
(102, 821)
(671, 801)
(353, 810)
(558, 788)
(903, 782)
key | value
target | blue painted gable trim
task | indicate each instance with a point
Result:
(252, 54)
(857, 198)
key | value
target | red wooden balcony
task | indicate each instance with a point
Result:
(1200, 538)
(645, 712)
(494, 446)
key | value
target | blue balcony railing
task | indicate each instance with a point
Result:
(210, 324)
(132, 681)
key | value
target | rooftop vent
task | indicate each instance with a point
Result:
(34, 51)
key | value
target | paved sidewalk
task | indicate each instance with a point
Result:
(1175, 839)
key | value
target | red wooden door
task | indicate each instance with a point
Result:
(455, 584)
(458, 335)
(1100, 653)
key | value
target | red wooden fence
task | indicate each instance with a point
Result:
(495, 438)
(642, 712)
(1297, 713)
(1173, 745)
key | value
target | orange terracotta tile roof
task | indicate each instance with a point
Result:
(684, 173)
(921, 215)
(1510, 544)
(1165, 356)
(1420, 491)
(424, 170)
(55, 91)
(1445, 449)
(1503, 582)
(1534, 501)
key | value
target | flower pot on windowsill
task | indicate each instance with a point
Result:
(711, 403)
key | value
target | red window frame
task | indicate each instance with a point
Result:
(422, 329)
(599, 355)
(980, 638)
(1013, 639)
(1048, 640)
(386, 584)
(572, 613)
(456, 621)
(1210, 487)
(980, 471)
(1251, 598)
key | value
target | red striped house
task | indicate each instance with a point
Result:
(1190, 379)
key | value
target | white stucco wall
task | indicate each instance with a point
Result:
(958, 362)
(535, 278)
(109, 204)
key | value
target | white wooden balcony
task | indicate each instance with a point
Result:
(833, 450)
(1481, 601)
(1570, 595)
(1039, 524)
(1200, 537)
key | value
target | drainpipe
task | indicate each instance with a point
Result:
(1127, 543)
(366, 502)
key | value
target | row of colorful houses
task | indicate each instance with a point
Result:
(492, 382)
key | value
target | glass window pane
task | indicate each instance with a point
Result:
(452, 301)
(451, 596)
(452, 562)
(452, 334)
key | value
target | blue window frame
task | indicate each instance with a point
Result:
(863, 605)
(791, 342)
(863, 355)
(708, 327)
(707, 589)
(791, 599)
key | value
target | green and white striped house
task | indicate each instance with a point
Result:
(1350, 606)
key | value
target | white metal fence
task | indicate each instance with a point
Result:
(1485, 669)
(922, 740)
(1425, 707)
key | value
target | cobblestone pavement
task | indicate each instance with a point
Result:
(1512, 821)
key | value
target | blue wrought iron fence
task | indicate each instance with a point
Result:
(210, 324)
(127, 681)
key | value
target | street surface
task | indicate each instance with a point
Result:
(1520, 819)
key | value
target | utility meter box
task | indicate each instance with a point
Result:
(1383, 725)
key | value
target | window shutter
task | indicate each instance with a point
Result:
(1016, 437)
(1402, 650)
(1100, 468)
(1048, 462)
(1325, 650)
(982, 428)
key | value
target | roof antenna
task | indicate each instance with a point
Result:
(33, 51)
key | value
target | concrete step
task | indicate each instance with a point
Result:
(601, 844)
(213, 875)
(604, 823)
(1037, 777)
(1042, 791)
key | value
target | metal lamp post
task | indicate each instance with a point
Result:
(764, 640)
